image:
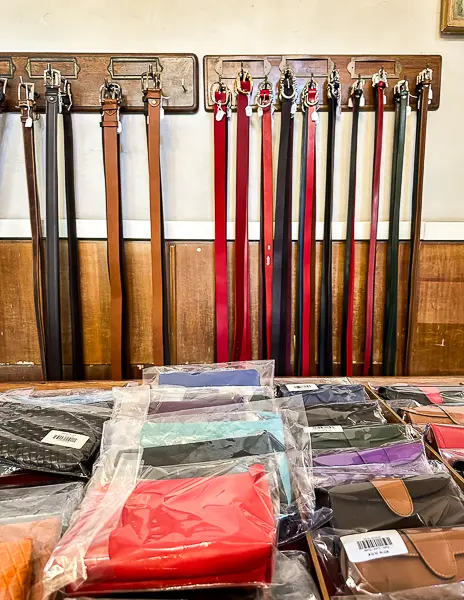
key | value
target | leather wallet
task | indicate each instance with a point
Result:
(401, 453)
(384, 503)
(448, 440)
(327, 393)
(211, 378)
(15, 569)
(440, 414)
(434, 557)
(349, 413)
(360, 436)
(424, 394)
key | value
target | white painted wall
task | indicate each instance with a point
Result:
(242, 26)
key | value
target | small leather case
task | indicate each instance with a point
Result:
(360, 436)
(442, 415)
(448, 441)
(345, 413)
(424, 394)
(326, 393)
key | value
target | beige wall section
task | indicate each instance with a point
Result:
(248, 26)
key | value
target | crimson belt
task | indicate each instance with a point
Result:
(267, 219)
(281, 281)
(221, 106)
(325, 322)
(307, 231)
(242, 332)
(379, 82)
(357, 97)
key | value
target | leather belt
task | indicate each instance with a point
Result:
(424, 97)
(26, 104)
(77, 346)
(242, 331)
(221, 99)
(265, 109)
(307, 233)
(3, 84)
(401, 99)
(356, 101)
(52, 79)
(281, 282)
(152, 95)
(111, 97)
(379, 82)
(325, 318)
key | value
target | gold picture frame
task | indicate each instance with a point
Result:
(452, 16)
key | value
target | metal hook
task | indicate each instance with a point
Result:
(184, 87)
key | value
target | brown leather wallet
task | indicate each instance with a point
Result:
(435, 556)
(441, 415)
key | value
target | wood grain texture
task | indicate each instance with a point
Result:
(438, 342)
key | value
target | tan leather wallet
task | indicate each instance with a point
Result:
(435, 556)
(441, 415)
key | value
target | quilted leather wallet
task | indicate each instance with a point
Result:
(440, 414)
(360, 436)
(349, 413)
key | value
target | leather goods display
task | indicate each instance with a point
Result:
(349, 413)
(52, 80)
(418, 501)
(401, 98)
(357, 100)
(111, 98)
(221, 107)
(266, 259)
(379, 83)
(242, 332)
(47, 439)
(325, 393)
(281, 282)
(439, 414)
(325, 317)
(360, 437)
(153, 98)
(432, 557)
(77, 347)
(424, 97)
(211, 378)
(424, 394)
(448, 440)
(307, 233)
(27, 105)
(400, 453)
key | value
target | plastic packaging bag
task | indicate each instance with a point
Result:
(244, 373)
(359, 436)
(448, 441)
(325, 393)
(451, 591)
(423, 394)
(80, 396)
(346, 414)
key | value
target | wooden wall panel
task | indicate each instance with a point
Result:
(438, 343)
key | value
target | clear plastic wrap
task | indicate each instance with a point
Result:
(346, 414)
(448, 441)
(450, 591)
(68, 397)
(244, 373)
(437, 413)
(359, 436)
(423, 394)
(325, 393)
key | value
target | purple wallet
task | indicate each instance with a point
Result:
(400, 453)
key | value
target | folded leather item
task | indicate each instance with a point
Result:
(168, 406)
(424, 394)
(48, 439)
(402, 453)
(211, 378)
(443, 415)
(349, 413)
(419, 501)
(360, 436)
(434, 557)
(15, 569)
(206, 531)
(448, 440)
(326, 393)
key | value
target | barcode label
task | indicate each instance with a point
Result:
(301, 387)
(362, 547)
(65, 438)
(326, 429)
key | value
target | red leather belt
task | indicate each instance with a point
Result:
(242, 332)
(221, 106)
(379, 82)
(267, 218)
(307, 237)
(357, 97)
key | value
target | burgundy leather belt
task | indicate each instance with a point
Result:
(379, 82)
(242, 332)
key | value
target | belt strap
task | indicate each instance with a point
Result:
(77, 346)
(242, 332)
(424, 97)
(401, 99)
(325, 318)
(221, 107)
(3, 84)
(281, 281)
(53, 332)
(111, 100)
(266, 220)
(379, 82)
(307, 230)
(356, 100)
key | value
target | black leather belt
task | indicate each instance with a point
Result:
(281, 282)
(325, 318)
(401, 99)
(3, 84)
(53, 332)
(77, 348)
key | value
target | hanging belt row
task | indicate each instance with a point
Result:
(356, 101)
(281, 281)
(424, 97)
(307, 234)
(401, 99)
(325, 318)
(379, 82)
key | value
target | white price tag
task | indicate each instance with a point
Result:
(301, 387)
(65, 438)
(326, 429)
(362, 547)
